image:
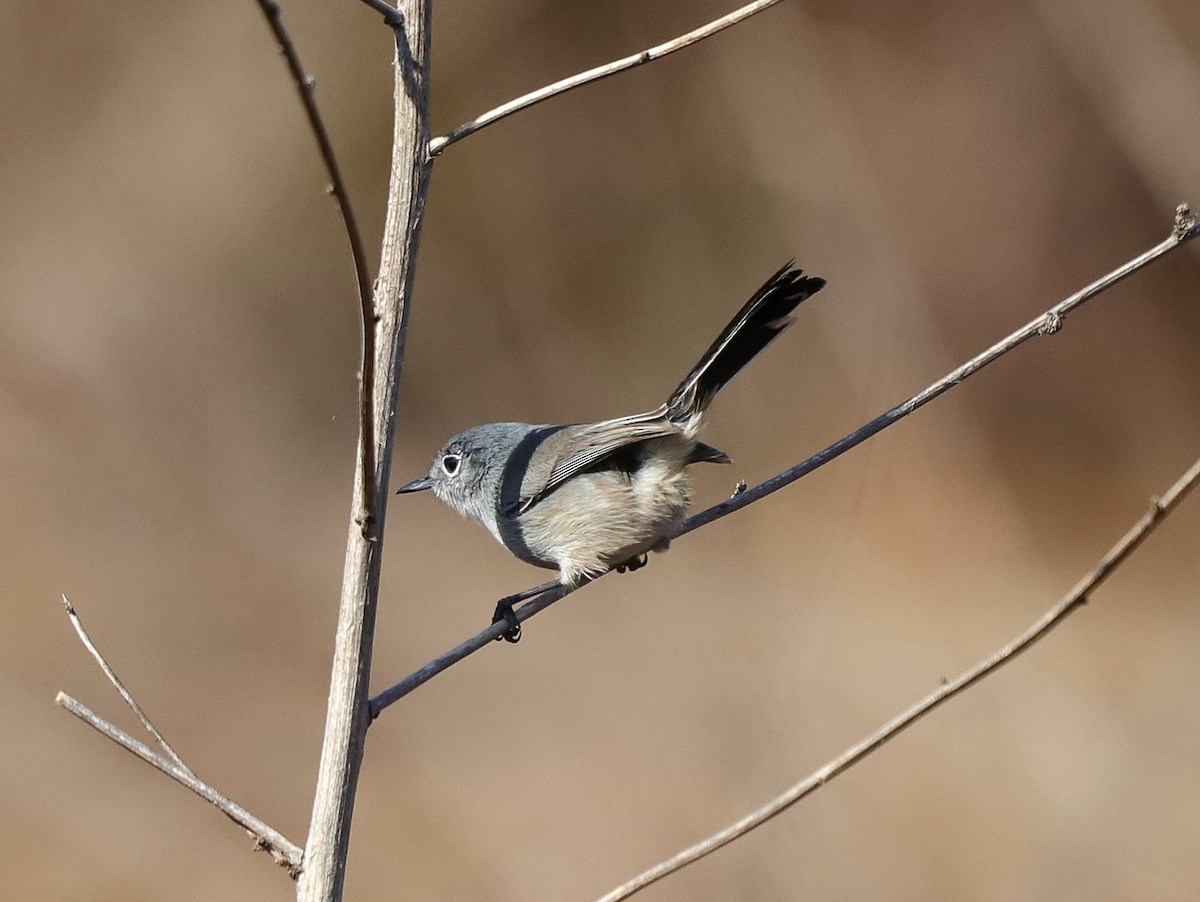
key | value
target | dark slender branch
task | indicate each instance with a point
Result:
(543, 596)
(337, 187)
(437, 145)
(392, 17)
(285, 852)
(1048, 323)
(1076, 598)
(1185, 229)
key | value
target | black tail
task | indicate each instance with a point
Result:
(755, 326)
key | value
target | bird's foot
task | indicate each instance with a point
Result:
(505, 614)
(634, 563)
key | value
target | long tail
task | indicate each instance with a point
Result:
(755, 326)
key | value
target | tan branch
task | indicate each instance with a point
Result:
(1074, 599)
(347, 714)
(284, 851)
(437, 145)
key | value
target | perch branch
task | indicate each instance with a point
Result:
(1076, 598)
(1050, 322)
(543, 596)
(392, 17)
(305, 85)
(284, 851)
(1185, 229)
(437, 145)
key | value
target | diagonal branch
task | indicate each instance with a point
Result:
(437, 145)
(120, 687)
(285, 852)
(1076, 598)
(543, 596)
(1185, 229)
(337, 187)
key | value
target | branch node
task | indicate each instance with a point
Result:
(1184, 221)
(1051, 323)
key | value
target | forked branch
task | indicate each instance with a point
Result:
(1185, 228)
(1076, 598)
(285, 852)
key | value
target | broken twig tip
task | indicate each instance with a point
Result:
(1185, 222)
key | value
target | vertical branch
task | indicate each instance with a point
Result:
(347, 716)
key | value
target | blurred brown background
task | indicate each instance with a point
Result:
(178, 346)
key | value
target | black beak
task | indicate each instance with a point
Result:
(417, 485)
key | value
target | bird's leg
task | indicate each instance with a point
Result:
(505, 613)
(504, 609)
(633, 564)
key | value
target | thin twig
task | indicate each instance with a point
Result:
(437, 145)
(1185, 229)
(120, 687)
(285, 852)
(337, 187)
(1074, 599)
(392, 17)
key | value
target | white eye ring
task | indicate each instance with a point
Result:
(450, 464)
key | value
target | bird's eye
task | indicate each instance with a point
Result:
(450, 464)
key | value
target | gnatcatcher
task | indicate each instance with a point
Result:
(585, 498)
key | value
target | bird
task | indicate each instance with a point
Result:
(585, 498)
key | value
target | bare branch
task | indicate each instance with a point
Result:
(437, 145)
(337, 187)
(544, 596)
(285, 852)
(392, 17)
(1074, 599)
(348, 712)
(120, 687)
(1185, 229)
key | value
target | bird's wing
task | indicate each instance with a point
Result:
(586, 446)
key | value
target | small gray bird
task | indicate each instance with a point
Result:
(586, 498)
